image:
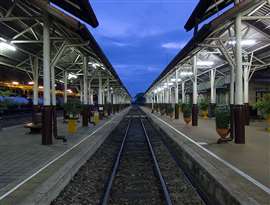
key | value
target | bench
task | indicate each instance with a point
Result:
(36, 125)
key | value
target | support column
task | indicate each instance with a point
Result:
(195, 109)
(47, 109)
(177, 108)
(65, 86)
(246, 94)
(36, 108)
(239, 107)
(183, 92)
(85, 93)
(213, 93)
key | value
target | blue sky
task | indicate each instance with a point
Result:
(140, 37)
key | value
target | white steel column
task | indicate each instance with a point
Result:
(46, 61)
(212, 85)
(65, 86)
(239, 63)
(85, 73)
(246, 84)
(35, 77)
(183, 92)
(239, 107)
(195, 109)
(176, 88)
(99, 89)
(195, 83)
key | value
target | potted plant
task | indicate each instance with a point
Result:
(73, 110)
(186, 109)
(170, 110)
(223, 123)
(263, 105)
(176, 113)
(162, 109)
(204, 108)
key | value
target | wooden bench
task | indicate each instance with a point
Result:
(36, 125)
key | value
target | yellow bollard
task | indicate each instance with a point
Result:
(72, 126)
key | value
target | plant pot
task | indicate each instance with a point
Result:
(187, 120)
(223, 132)
(72, 126)
(268, 122)
(205, 114)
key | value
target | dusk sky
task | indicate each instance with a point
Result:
(140, 37)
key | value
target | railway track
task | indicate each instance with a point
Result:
(141, 171)
(136, 176)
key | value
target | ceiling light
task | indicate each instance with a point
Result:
(4, 45)
(170, 83)
(186, 73)
(205, 63)
(31, 83)
(40, 87)
(15, 83)
(72, 76)
(69, 91)
(247, 42)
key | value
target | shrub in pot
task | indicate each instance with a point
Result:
(204, 108)
(263, 105)
(72, 110)
(223, 122)
(186, 109)
(170, 110)
(176, 113)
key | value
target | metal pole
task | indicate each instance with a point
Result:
(47, 110)
(239, 108)
(213, 93)
(85, 73)
(65, 86)
(176, 87)
(246, 94)
(195, 109)
(183, 92)
(99, 89)
(35, 86)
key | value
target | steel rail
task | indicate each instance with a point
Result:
(161, 179)
(106, 196)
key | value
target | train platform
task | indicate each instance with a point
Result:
(31, 173)
(248, 164)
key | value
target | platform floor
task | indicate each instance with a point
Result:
(252, 158)
(22, 155)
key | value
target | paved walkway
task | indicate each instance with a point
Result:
(22, 154)
(253, 158)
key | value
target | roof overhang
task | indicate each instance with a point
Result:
(204, 10)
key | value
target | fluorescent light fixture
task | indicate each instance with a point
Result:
(15, 83)
(205, 63)
(186, 73)
(31, 83)
(69, 91)
(5, 45)
(170, 83)
(155, 91)
(247, 42)
(72, 76)
(174, 80)
(40, 87)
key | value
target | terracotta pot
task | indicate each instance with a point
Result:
(223, 132)
(187, 120)
(268, 122)
(205, 114)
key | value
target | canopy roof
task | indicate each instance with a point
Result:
(79, 8)
(214, 43)
(204, 10)
(21, 25)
